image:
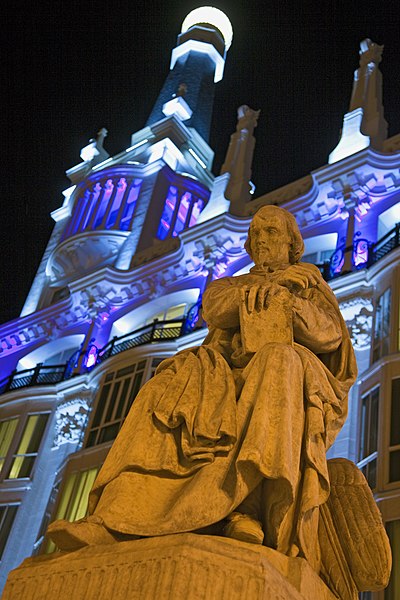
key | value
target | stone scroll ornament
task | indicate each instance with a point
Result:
(229, 438)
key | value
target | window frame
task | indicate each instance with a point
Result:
(376, 344)
(8, 505)
(15, 442)
(114, 369)
(363, 462)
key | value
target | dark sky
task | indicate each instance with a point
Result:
(72, 67)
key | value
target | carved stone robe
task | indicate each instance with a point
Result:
(216, 422)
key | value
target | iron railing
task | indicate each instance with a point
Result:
(39, 375)
(158, 331)
(361, 255)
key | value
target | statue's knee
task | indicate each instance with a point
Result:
(278, 352)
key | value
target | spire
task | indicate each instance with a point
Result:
(240, 155)
(197, 62)
(364, 125)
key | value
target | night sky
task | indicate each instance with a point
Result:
(72, 67)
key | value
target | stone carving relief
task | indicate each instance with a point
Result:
(216, 252)
(358, 313)
(84, 253)
(157, 250)
(70, 422)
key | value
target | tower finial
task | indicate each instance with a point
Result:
(364, 125)
(94, 151)
(101, 135)
(240, 155)
(209, 16)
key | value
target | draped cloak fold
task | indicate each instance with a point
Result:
(214, 423)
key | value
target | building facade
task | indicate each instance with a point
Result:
(137, 239)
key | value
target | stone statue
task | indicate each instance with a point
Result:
(367, 93)
(230, 438)
(239, 157)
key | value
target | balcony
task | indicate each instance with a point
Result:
(361, 255)
(158, 331)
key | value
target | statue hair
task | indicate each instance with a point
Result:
(297, 244)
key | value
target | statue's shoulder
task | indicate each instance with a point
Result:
(229, 281)
(310, 267)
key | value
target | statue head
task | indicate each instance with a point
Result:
(274, 238)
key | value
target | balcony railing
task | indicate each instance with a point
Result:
(362, 254)
(158, 331)
(39, 375)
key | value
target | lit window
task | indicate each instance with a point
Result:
(181, 217)
(319, 248)
(168, 213)
(130, 204)
(90, 207)
(317, 258)
(23, 460)
(103, 204)
(173, 313)
(196, 210)
(7, 516)
(74, 496)
(114, 401)
(108, 204)
(392, 592)
(368, 448)
(181, 210)
(382, 326)
(116, 205)
(7, 430)
(394, 444)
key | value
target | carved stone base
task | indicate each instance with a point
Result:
(179, 567)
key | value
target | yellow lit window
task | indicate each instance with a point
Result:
(24, 458)
(7, 430)
(173, 313)
(74, 498)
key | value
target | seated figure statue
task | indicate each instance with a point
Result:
(231, 437)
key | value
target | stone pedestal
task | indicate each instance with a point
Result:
(176, 567)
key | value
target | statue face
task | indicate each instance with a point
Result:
(270, 242)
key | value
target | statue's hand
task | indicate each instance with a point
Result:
(258, 297)
(297, 278)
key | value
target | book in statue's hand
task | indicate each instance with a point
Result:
(271, 324)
